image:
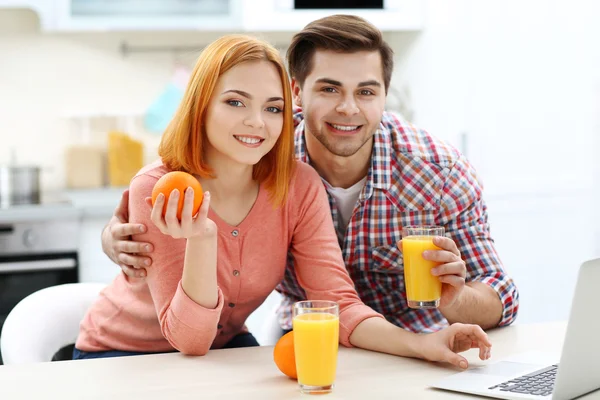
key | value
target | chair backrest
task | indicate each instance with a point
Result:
(45, 321)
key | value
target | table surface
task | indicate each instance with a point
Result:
(249, 373)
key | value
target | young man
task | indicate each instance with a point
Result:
(381, 173)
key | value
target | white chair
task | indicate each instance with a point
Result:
(46, 321)
(270, 331)
(263, 321)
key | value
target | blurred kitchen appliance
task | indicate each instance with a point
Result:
(103, 149)
(85, 159)
(19, 185)
(293, 15)
(125, 158)
(35, 255)
(137, 8)
(338, 4)
(85, 166)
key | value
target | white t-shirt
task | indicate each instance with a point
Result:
(345, 199)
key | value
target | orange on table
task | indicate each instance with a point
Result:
(284, 355)
(181, 181)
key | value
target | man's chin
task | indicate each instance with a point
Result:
(345, 149)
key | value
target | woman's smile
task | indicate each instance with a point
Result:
(249, 141)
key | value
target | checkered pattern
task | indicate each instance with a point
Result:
(414, 179)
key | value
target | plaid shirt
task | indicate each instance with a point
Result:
(414, 179)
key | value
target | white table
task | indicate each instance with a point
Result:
(250, 373)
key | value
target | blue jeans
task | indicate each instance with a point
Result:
(241, 340)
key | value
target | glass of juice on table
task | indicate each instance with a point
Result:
(423, 290)
(316, 327)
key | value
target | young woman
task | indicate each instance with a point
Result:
(234, 133)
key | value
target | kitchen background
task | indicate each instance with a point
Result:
(514, 84)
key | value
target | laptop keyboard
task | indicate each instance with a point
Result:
(539, 383)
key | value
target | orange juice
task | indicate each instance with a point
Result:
(421, 286)
(316, 338)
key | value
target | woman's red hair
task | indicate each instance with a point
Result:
(184, 140)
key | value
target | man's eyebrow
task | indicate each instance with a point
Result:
(333, 82)
(240, 92)
(372, 82)
(329, 81)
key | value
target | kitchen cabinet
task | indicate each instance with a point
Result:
(94, 265)
(134, 15)
(96, 207)
(148, 15)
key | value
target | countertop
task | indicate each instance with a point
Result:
(90, 203)
(250, 373)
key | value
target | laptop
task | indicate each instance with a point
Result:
(572, 373)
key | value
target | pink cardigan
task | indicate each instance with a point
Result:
(155, 314)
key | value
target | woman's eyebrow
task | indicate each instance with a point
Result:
(240, 92)
(249, 96)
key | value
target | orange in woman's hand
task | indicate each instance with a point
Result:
(181, 181)
(284, 356)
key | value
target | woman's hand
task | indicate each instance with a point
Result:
(447, 343)
(197, 227)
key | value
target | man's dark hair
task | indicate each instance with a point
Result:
(341, 33)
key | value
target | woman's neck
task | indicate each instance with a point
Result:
(233, 192)
(232, 180)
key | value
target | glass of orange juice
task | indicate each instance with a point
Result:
(316, 327)
(423, 290)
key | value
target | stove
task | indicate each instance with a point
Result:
(38, 249)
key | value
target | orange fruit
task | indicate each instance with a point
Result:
(284, 357)
(181, 181)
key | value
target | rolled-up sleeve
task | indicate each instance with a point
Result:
(187, 326)
(464, 215)
(317, 256)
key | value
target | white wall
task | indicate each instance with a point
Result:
(534, 64)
